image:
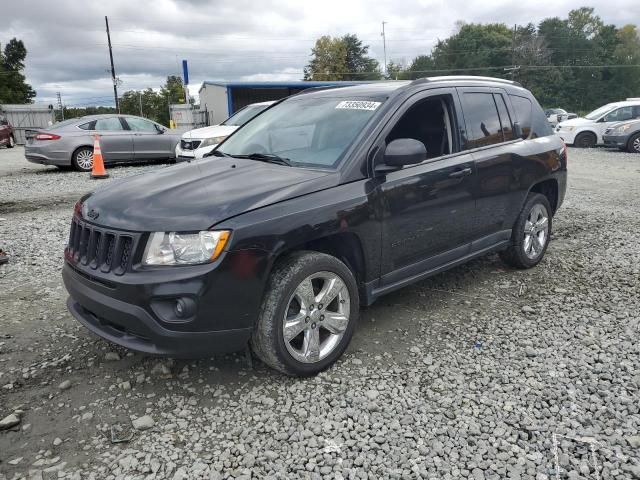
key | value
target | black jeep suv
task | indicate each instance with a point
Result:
(319, 205)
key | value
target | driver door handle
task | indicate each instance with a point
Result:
(461, 173)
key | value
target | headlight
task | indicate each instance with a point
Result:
(207, 142)
(622, 128)
(173, 248)
(567, 129)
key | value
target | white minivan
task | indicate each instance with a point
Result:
(587, 131)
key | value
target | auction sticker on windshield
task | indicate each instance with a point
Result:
(358, 105)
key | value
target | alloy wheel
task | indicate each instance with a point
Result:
(536, 231)
(84, 159)
(636, 144)
(317, 317)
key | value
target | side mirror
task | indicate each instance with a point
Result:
(403, 151)
(160, 129)
(517, 130)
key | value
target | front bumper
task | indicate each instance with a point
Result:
(192, 154)
(135, 310)
(567, 137)
(619, 141)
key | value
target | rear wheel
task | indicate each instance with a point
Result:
(585, 140)
(308, 314)
(531, 233)
(12, 142)
(633, 146)
(83, 159)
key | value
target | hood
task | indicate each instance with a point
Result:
(576, 122)
(196, 195)
(209, 132)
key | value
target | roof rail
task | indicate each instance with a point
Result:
(449, 78)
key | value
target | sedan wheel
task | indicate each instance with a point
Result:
(634, 144)
(83, 159)
(317, 317)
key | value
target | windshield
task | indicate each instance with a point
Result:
(306, 131)
(598, 112)
(244, 115)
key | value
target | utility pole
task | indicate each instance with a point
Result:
(60, 107)
(140, 99)
(113, 69)
(384, 46)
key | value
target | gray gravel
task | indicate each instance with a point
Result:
(482, 372)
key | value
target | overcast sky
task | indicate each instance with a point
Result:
(235, 39)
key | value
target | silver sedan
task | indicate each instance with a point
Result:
(123, 138)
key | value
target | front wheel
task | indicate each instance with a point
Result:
(585, 140)
(12, 142)
(634, 144)
(308, 314)
(83, 159)
(531, 233)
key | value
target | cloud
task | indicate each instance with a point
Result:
(243, 39)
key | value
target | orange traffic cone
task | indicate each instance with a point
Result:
(98, 171)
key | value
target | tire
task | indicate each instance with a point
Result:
(286, 296)
(12, 142)
(585, 140)
(633, 145)
(527, 250)
(82, 159)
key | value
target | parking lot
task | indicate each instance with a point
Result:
(480, 372)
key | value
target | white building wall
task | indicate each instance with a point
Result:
(214, 99)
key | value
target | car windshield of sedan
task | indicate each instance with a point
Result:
(304, 131)
(243, 116)
(598, 112)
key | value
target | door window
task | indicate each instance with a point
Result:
(141, 125)
(636, 111)
(430, 122)
(619, 115)
(108, 124)
(505, 118)
(483, 122)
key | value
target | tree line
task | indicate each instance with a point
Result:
(577, 63)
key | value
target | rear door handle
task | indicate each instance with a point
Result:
(460, 173)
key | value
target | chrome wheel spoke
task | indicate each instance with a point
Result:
(336, 323)
(294, 326)
(528, 227)
(542, 223)
(311, 345)
(330, 290)
(304, 292)
(536, 230)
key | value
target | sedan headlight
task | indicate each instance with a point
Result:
(567, 129)
(174, 248)
(622, 128)
(207, 142)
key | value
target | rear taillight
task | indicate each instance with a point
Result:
(47, 136)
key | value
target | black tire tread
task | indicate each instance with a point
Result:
(630, 148)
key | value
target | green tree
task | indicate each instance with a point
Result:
(341, 58)
(13, 86)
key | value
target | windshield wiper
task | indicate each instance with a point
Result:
(266, 157)
(216, 153)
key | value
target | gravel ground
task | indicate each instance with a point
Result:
(482, 372)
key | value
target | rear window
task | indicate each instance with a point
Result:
(86, 126)
(522, 109)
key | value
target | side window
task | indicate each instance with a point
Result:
(636, 111)
(108, 124)
(505, 118)
(430, 121)
(141, 125)
(619, 115)
(522, 110)
(483, 123)
(87, 126)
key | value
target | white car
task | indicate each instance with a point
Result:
(587, 132)
(200, 141)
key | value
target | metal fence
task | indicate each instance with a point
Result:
(27, 117)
